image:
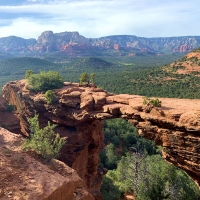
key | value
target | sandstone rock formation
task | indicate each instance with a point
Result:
(84, 135)
(72, 43)
(189, 64)
(80, 111)
(7, 119)
(24, 177)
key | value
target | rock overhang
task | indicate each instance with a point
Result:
(175, 125)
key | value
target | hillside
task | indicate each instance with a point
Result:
(5, 55)
(74, 44)
(18, 66)
(14, 68)
(189, 64)
(72, 67)
(180, 79)
(153, 76)
(27, 177)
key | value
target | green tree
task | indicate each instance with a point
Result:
(109, 190)
(43, 141)
(122, 134)
(45, 81)
(50, 96)
(111, 157)
(134, 170)
(28, 73)
(92, 77)
(83, 78)
(150, 177)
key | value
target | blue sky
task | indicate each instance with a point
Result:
(98, 18)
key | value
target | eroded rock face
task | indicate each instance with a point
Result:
(84, 137)
(24, 177)
(7, 119)
(80, 111)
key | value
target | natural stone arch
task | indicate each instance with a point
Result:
(175, 125)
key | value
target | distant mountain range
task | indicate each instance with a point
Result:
(72, 43)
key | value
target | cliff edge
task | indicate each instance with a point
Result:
(79, 114)
(24, 177)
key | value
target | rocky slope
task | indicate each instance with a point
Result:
(23, 177)
(189, 64)
(80, 112)
(84, 140)
(72, 43)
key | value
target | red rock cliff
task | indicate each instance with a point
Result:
(79, 113)
(24, 177)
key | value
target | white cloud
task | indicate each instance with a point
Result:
(27, 28)
(106, 17)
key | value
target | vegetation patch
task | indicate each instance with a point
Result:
(148, 178)
(45, 81)
(28, 73)
(85, 79)
(43, 141)
(50, 96)
(154, 102)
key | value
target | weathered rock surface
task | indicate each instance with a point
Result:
(187, 65)
(80, 112)
(24, 177)
(7, 119)
(83, 134)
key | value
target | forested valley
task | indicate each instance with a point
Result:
(134, 164)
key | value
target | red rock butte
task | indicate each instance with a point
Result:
(80, 111)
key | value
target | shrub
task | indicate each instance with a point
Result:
(92, 77)
(43, 141)
(83, 78)
(28, 73)
(50, 96)
(109, 190)
(45, 81)
(155, 102)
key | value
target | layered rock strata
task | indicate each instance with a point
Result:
(79, 114)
